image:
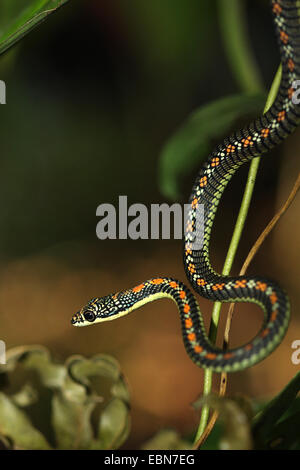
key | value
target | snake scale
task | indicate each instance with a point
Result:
(253, 140)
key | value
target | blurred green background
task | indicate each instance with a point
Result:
(92, 96)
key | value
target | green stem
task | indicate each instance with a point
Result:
(243, 212)
(237, 46)
(234, 7)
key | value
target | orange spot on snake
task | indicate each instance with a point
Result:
(290, 93)
(201, 282)
(157, 281)
(274, 315)
(284, 37)
(240, 283)
(265, 132)
(247, 141)
(277, 9)
(186, 308)
(182, 294)
(210, 356)
(138, 288)
(273, 298)
(218, 286)
(191, 337)
(265, 333)
(203, 181)
(230, 148)
(228, 355)
(291, 65)
(198, 349)
(194, 203)
(173, 284)
(189, 226)
(215, 161)
(261, 286)
(188, 250)
(192, 268)
(188, 323)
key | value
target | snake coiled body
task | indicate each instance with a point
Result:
(257, 138)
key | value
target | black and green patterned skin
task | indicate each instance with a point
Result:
(263, 134)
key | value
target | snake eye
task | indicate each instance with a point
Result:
(89, 316)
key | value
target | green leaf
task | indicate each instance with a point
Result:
(192, 143)
(105, 404)
(26, 396)
(15, 425)
(71, 422)
(81, 369)
(37, 359)
(18, 17)
(114, 425)
(167, 439)
(235, 414)
(285, 435)
(82, 404)
(265, 421)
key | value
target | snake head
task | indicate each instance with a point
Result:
(96, 310)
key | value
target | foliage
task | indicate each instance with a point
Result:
(242, 426)
(79, 404)
(84, 404)
(192, 143)
(21, 16)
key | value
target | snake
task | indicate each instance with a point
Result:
(253, 140)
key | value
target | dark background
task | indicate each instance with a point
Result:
(92, 96)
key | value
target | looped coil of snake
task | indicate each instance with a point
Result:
(253, 140)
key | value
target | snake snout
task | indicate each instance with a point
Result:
(76, 319)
